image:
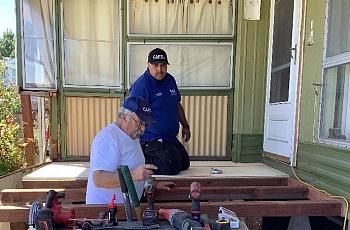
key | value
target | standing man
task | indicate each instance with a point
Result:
(159, 143)
(118, 144)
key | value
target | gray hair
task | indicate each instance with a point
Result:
(123, 113)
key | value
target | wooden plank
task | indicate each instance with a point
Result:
(21, 196)
(229, 182)
(28, 134)
(67, 184)
(237, 193)
(330, 207)
(180, 182)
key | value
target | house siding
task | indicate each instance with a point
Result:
(249, 85)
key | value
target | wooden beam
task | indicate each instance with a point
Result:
(237, 193)
(21, 196)
(331, 207)
(27, 120)
(67, 184)
(229, 182)
(180, 182)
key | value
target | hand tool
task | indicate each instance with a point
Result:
(131, 187)
(126, 197)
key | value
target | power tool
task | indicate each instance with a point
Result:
(51, 216)
(150, 216)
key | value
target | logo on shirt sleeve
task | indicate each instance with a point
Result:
(172, 92)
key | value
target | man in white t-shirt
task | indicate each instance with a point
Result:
(118, 144)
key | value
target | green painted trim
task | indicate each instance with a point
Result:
(92, 94)
(229, 137)
(58, 43)
(205, 93)
(281, 166)
(63, 125)
(180, 39)
(19, 61)
(247, 148)
(236, 148)
(61, 112)
(54, 118)
(124, 47)
(86, 89)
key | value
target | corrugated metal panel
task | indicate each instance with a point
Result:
(85, 117)
(325, 167)
(207, 116)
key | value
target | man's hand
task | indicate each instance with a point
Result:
(143, 172)
(186, 133)
(165, 185)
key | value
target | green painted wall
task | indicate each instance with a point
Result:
(249, 85)
(247, 148)
(250, 72)
(312, 72)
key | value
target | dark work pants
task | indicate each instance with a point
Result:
(170, 158)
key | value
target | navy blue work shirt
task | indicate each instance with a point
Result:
(163, 97)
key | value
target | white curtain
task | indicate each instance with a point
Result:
(193, 65)
(91, 43)
(336, 103)
(328, 101)
(338, 36)
(38, 34)
(214, 17)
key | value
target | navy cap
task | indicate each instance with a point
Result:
(141, 107)
(157, 56)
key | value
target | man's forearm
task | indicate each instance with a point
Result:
(182, 117)
(105, 179)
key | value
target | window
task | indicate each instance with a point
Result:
(203, 65)
(91, 31)
(181, 17)
(38, 44)
(335, 108)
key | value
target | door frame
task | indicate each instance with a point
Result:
(299, 34)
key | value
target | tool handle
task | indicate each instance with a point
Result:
(122, 181)
(127, 205)
(50, 198)
(130, 185)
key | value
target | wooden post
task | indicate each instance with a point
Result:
(27, 121)
(54, 127)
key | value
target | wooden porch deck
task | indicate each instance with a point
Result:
(249, 189)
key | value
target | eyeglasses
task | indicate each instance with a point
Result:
(139, 123)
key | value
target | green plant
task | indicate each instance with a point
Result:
(7, 44)
(11, 151)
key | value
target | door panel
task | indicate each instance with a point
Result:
(279, 128)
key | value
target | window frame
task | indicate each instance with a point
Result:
(140, 35)
(118, 88)
(187, 43)
(54, 40)
(330, 62)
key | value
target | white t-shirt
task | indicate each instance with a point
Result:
(110, 148)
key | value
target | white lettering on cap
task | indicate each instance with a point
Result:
(148, 110)
(159, 57)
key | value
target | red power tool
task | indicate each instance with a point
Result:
(52, 215)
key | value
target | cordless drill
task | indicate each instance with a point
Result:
(150, 216)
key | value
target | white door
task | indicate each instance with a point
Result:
(280, 104)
